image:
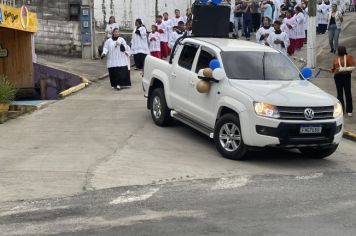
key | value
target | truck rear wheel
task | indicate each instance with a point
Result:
(159, 111)
(318, 152)
(228, 137)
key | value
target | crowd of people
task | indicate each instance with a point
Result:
(157, 41)
(291, 16)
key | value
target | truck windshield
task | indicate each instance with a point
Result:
(259, 66)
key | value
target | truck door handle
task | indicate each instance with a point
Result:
(174, 75)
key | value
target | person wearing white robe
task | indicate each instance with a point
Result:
(300, 32)
(169, 24)
(278, 39)
(291, 24)
(177, 33)
(110, 27)
(116, 50)
(341, 6)
(177, 18)
(163, 31)
(155, 42)
(277, 9)
(139, 44)
(263, 32)
(322, 14)
(306, 21)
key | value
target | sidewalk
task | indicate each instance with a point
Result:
(89, 69)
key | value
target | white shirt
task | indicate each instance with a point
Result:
(338, 17)
(306, 19)
(176, 20)
(155, 42)
(163, 36)
(139, 43)
(169, 25)
(115, 58)
(109, 28)
(282, 37)
(173, 39)
(322, 13)
(261, 31)
(232, 13)
(300, 31)
(277, 6)
(291, 24)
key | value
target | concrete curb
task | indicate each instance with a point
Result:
(85, 82)
(104, 76)
(350, 136)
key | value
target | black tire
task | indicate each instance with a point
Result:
(159, 111)
(234, 147)
(318, 152)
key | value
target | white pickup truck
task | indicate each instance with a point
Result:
(262, 99)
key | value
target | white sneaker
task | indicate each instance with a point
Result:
(118, 87)
(349, 114)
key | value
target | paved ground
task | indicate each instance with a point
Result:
(101, 138)
(319, 204)
(95, 164)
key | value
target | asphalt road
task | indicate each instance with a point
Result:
(95, 164)
(318, 204)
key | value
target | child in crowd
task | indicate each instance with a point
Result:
(155, 42)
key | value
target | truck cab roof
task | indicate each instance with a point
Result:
(226, 44)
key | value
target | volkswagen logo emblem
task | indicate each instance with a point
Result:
(309, 114)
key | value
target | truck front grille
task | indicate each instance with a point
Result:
(297, 113)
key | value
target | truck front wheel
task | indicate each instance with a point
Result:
(228, 137)
(318, 152)
(159, 111)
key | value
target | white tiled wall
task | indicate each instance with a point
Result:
(126, 11)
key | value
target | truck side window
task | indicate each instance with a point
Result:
(204, 60)
(187, 56)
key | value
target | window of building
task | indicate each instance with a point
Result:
(74, 12)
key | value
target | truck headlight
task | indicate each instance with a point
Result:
(267, 110)
(338, 110)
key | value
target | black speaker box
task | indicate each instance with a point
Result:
(211, 20)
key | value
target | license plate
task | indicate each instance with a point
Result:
(310, 129)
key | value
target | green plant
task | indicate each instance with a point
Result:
(7, 90)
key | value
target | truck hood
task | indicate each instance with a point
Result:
(284, 93)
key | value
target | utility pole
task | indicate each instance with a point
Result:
(311, 46)
(156, 9)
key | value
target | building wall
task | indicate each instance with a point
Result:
(56, 33)
(126, 11)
